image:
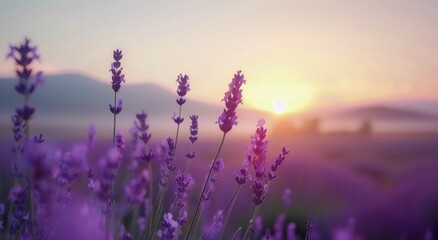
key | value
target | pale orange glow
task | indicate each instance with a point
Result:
(279, 89)
(295, 96)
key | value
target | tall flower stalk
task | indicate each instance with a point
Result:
(256, 152)
(262, 179)
(23, 55)
(183, 88)
(193, 138)
(118, 142)
(226, 121)
(117, 79)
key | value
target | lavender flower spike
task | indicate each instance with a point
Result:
(232, 98)
(168, 228)
(117, 79)
(183, 88)
(116, 109)
(116, 71)
(193, 128)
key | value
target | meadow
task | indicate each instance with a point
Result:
(255, 185)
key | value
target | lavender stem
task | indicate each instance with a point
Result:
(114, 125)
(229, 203)
(205, 185)
(247, 234)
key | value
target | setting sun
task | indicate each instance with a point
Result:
(279, 97)
(279, 106)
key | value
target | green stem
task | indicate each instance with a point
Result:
(205, 186)
(229, 213)
(229, 203)
(251, 224)
(237, 232)
(114, 125)
(161, 202)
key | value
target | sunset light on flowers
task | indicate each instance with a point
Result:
(217, 95)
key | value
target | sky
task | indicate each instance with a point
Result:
(297, 55)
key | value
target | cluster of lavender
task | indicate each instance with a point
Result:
(39, 200)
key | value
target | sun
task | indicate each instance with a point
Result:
(278, 106)
(279, 98)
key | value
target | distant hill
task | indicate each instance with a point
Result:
(76, 101)
(379, 113)
(74, 94)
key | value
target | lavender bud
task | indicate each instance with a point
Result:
(232, 98)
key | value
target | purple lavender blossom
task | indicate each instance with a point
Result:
(278, 227)
(183, 182)
(120, 142)
(38, 139)
(17, 197)
(147, 157)
(24, 54)
(167, 164)
(310, 228)
(109, 166)
(291, 227)
(259, 191)
(190, 155)
(126, 236)
(19, 131)
(117, 79)
(193, 136)
(71, 165)
(267, 234)
(36, 157)
(140, 132)
(259, 149)
(258, 226)
(183, 218)
(217, 167)
(135, 190)
(177, 119)
(183, 88)
(277, 163)
(116, 109)
(244, 170)
(18, 128)
(193, 128)
(116, 70)
(257, 158)
(217, 223)
(232, 98)
(25, 112)
(142, 127)
(168, 227)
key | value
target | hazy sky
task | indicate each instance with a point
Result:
(305, 53)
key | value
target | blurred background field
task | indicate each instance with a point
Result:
(383, 178)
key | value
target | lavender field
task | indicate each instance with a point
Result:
(257, 119)
(132, 186)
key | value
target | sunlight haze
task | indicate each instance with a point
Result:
(309, 55)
